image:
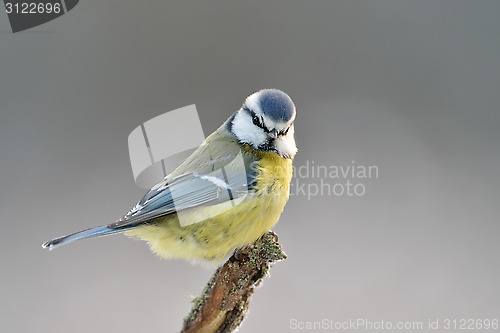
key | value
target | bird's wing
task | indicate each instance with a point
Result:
(202, 180)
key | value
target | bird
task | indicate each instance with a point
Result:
(228, 193)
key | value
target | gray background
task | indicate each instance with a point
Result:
(412, 87)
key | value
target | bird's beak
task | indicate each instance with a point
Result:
(273, 134)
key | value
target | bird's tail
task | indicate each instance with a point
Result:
(88, 233)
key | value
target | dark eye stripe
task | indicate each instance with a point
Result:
(284, 132)
(257, 121)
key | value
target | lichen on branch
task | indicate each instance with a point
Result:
(223, 304)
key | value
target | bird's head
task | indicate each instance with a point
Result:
(265, 121)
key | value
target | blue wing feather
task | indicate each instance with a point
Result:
(190, 190)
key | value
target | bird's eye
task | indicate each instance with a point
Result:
(256, 121)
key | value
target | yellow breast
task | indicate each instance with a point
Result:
(215, 237)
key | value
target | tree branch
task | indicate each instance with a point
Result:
(223, 304)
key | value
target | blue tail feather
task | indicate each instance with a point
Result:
(88, 233)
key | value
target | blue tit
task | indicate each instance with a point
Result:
(224, 196)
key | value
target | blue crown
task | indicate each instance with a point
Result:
(276, 105)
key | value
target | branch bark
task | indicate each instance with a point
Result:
(223, 304)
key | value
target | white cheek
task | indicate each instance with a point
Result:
(285, 145)
(246, 131)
